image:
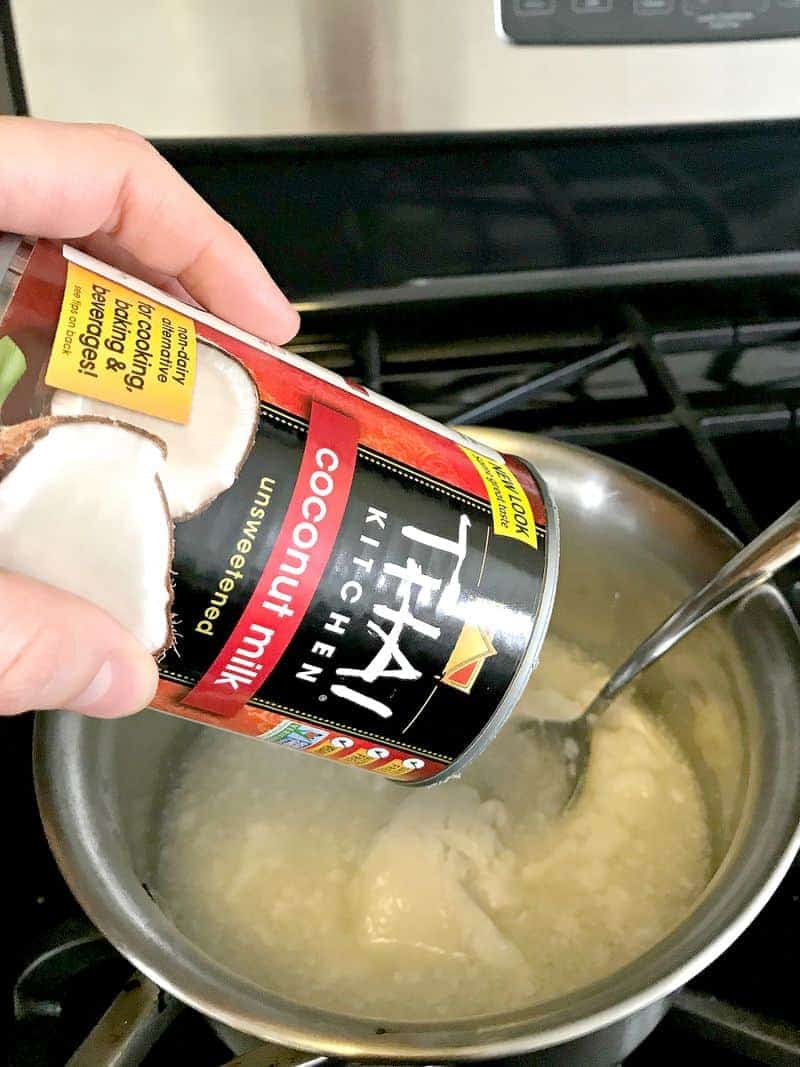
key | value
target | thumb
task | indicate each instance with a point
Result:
(59, 651)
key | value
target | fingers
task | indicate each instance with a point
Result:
(110, 187)
(58, 651)
(106, 248)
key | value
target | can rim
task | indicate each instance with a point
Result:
(530, 658)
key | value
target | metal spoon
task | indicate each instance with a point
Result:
(755, 564)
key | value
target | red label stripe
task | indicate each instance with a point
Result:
(293, 571)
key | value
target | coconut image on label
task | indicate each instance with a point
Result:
(59, 479)
(205, 454)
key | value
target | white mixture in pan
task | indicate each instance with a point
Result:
(351, 893)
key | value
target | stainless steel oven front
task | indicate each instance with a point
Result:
(352, 67)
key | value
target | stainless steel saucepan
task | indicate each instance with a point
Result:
(730, 692)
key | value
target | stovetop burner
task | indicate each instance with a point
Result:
(698, 387)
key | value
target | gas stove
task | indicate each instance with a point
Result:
(651, 314)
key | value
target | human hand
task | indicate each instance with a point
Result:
(108, 191)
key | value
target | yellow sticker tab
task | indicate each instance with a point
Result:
(115, 345)
(512, 515)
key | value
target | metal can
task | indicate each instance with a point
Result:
(372, 587)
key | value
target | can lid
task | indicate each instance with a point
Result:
(9, 243)
(10, 271)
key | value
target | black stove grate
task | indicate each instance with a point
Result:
(652, 376)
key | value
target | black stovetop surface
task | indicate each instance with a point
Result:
(695, 381)
(370, 214)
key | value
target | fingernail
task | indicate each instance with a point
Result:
(121, 686)
(96, 689)
(288, 328)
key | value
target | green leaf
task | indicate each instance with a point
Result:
(12, 367)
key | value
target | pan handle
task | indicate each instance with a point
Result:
(125, 1034)
(267, 1055)
(139, 1016)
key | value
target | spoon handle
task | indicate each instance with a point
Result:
(753, 565)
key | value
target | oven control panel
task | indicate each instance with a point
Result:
(644, 21)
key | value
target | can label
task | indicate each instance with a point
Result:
(367, 589)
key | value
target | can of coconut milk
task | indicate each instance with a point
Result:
(347, 578)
